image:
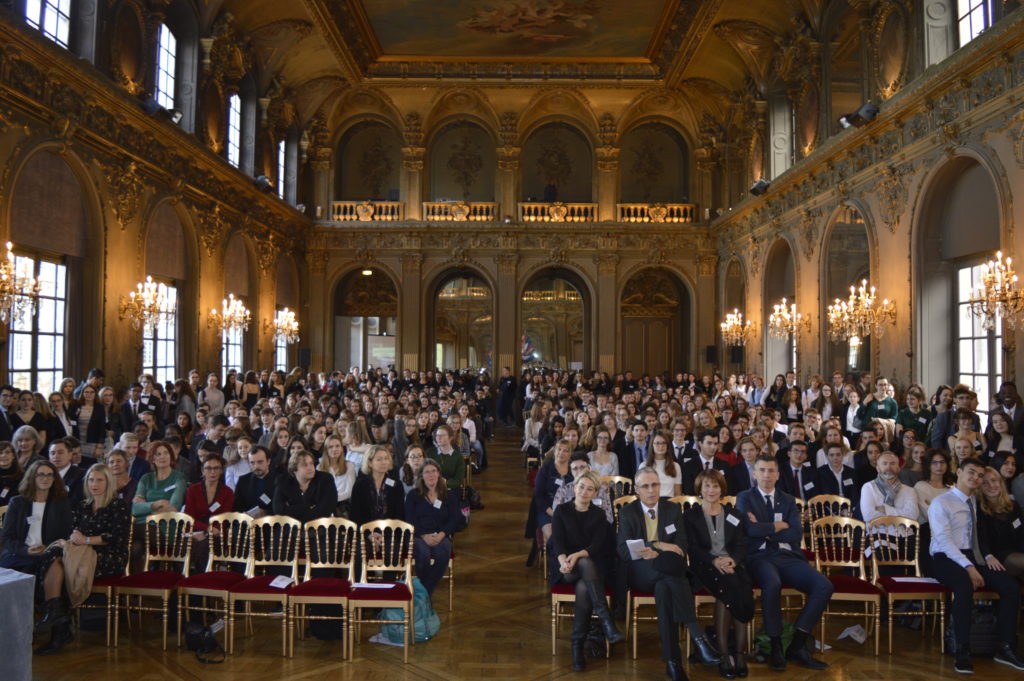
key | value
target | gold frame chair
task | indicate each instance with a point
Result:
(839, 542)
(106, 585)
(686, 501)
(618, 485)
(617, 505)
(384, 546)
(894, 542)
(3, 512)
(330, 544)
(168, 539)
(563, 594)
(231, 544)
(275, 543)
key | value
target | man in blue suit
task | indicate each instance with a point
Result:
(774, 557)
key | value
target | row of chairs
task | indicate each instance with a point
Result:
(266, 554)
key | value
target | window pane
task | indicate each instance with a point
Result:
(966, 355)
(22, 380)
(981, 356)
(21, 351)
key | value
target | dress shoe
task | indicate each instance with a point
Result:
(804, 658)
(579, 657)
(708, 655)
(777, 659)
(675, 671)
(1008, 656)
(53, 615)
(741, 666)
(59, 637)
(726, 668)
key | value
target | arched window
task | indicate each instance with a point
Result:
(166, 63)
(52, 18)
(234, 130)
(36, 357)
(282, 167)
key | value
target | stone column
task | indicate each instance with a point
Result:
(506, 312)
(704, 187)
(507, 190)
(606, 308)
(780, 137)
(319, 305)
(411, 189)
(411, 329)
(607, 182)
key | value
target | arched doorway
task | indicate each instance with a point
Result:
(554, 309)
(237, 344)
(779, 283)
(846, 263)
(462, 332)
(960, 228)
(655, 314)
(365, 320)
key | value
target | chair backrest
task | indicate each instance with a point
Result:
(617, 507)
(838, 542)
(230, 540)
(829, 504)
(3, 512)
(330, 543)
(686, 501)
(276, 540)
(386, 545)
(168, 539)
(728, 501)
(894, 541)
(618, 485)
(805, 522)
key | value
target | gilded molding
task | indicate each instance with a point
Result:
(891, 192)
(506, 262)
(126, 186)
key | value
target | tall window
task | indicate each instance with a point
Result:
(280, 350)
(979, 351)
(36, 355)
(234, 130)
(159, 348)
(281, 167)
(52, 18)
(167, 51)
(973, 17)
(231, 351)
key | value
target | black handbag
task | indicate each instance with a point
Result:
(201, 640)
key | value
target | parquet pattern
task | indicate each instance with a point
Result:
(500, 628)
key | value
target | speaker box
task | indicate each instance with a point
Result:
(736, 354)
(305, 358)
(711, 354)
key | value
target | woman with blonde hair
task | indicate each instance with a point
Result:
(237, 459)
(28, 444)
(356, 443)
(376, 494)
(1000, 526)
(344, 473)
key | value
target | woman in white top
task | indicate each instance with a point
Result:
(660, 459)
(343, 472)
(938, 480)
(532, 427)
(212, 396)
(237, 460)
(813, 391)
(603, 459)
(355, 445)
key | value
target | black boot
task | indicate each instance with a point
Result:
(54, 615)
(675, 671)
(59, 637)
(579, 657)
(580, 628)
(798, 652)
(777, 659)
(611, 632)
(708, 655)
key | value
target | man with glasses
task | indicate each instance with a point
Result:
(254, 493)
(6, 403)
(958, 563)
(652, 546)
(707, 441)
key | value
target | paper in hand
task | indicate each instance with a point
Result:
(635, 546)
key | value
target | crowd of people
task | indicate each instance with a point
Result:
(889, 451)
(79, 466)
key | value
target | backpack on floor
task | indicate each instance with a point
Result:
(425, 624)
(984, 640)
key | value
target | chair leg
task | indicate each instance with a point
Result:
(451, 585)
(285, 619)
(230, 633)
(181, 615)
(636, 631)
(408, 626)
(554, 619)
(890, 621)
(117, 619)
(166, 610)
(942, 626)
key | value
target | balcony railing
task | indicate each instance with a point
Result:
(656, 212)
(557, 212)
(348, 211)
(460, 211)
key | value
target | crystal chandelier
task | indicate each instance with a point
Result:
(997, 297)
(734, 330)
(785, 321)
(147, 306)
(860, 315)
(285, 327)
(19, 291)
(234, 316)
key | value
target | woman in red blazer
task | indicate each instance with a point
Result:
(205, 499)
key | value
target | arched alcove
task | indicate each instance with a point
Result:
(167, 262)
(238, 280)
(779, 283)
(557, 164)
(654, 165)
(554, 309)
(463, 162)
(959, 229)
(846, 262)
(365, 319)
(369, 163)
(734, 297)
(656, 310)
(286, 290)
(462, 329)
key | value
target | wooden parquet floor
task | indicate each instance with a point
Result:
(500, 628)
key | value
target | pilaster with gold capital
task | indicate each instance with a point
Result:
(508, 179)
(410, 318)
(606, 316)
(607, 181)
(412, 181)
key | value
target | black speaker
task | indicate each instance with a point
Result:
(711, 354)
(736, 354)
(305, 358)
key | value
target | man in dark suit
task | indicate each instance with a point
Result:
(132, 408)
(659, 567)
(773, 552)
(707, 445)
(945, 423)
(834, 477)
(506, 397)
(254, 493)
(797, 477)
(682, 446)
(6, 403)
(633, 454)
(741, 476)
(60, 457)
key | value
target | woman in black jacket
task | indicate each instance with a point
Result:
(1000, 526)
(376, 493)
(306, 493)
(38, 516)
(581, 541)
(717, 547)
(434, 511)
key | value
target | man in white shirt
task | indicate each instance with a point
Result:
(886, 495)
(958, 564)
